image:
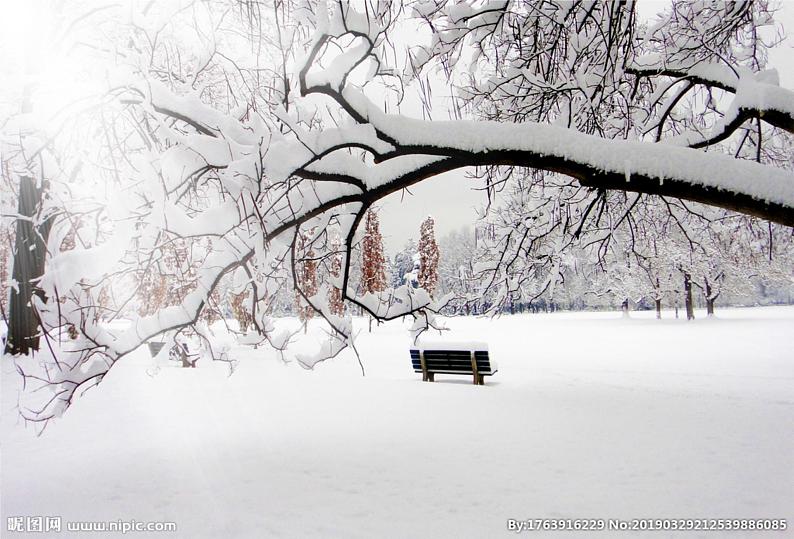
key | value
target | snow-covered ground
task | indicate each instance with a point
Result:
(589, 416)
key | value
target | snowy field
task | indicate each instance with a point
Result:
(589, 416)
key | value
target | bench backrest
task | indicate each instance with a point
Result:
(453, 361)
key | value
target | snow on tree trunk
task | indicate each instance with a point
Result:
(428, 256)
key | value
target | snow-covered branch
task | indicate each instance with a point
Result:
(253, 173)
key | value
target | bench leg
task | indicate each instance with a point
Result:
(431, 377)
(481, 379)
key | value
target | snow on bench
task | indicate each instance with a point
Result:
(445, 357)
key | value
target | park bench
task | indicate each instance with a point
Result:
(470, 359)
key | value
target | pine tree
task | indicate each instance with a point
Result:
(373, 275)
(428, 256)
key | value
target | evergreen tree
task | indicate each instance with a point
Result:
(373, 276)
(428, 256)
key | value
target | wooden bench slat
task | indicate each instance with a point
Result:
(454, 360)
(436, 354)
(461, 368)
(450, 353)
(459, 359)
(467, 361)
(461, 371)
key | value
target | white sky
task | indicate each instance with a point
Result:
(451, 198)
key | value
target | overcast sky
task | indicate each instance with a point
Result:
(452, 199)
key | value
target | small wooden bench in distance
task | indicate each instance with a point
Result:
(470, 359)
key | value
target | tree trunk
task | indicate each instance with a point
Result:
(709, 300)
(658, 300)
(690, 310)
(29, 259)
